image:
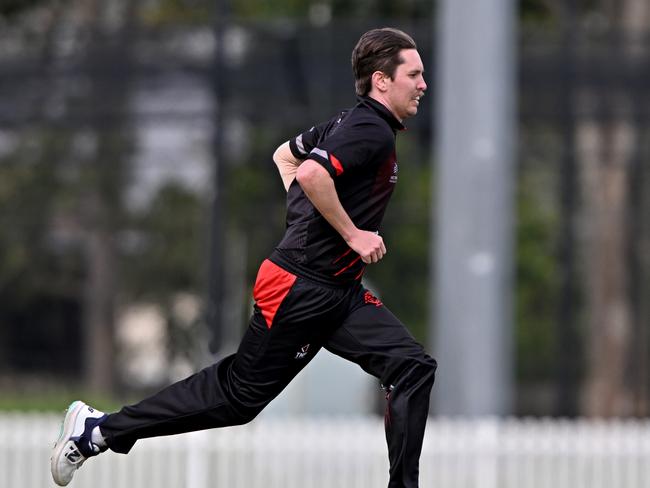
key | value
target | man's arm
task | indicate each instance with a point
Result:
(319, 188)
(287, 164)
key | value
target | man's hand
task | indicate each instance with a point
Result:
(319, 188)
(369, 245)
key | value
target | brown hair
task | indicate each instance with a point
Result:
(378, 50)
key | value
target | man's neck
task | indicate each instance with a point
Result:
(379, 98)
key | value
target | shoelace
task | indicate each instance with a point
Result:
(74, 456)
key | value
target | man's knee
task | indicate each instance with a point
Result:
(430, 364)
(420, 372)
(244, 416)
(426, 369)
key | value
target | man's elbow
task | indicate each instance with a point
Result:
(277, 155)
(310, 174)
(283, 155)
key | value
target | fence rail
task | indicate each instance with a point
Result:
(348, 453)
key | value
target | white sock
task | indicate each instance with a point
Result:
(97, 438)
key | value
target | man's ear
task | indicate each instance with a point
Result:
(379, 81)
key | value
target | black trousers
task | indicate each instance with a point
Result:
(293, 319)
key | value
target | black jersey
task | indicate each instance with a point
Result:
(357, 148)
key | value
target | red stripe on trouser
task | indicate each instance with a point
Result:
(271, 287)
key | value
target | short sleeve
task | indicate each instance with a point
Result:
(303, 143)
(354, 147)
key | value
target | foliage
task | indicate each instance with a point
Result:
(534, 11)
(164, 245)
(193, 11)
(40, 269)
(253, 9)
(537, 279)
(55, 400)
(178, 12)
(339, 9)
(10, 8)
(30, 196)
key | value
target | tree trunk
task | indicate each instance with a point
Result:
(99, 307)
(107, 103)
(607, 140)
(604, 152)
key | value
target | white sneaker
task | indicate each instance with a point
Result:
(69, 453)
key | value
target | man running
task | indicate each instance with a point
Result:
(308, 294)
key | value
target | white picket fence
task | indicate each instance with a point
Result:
(347, 453)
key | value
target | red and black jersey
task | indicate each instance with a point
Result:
(357, 148)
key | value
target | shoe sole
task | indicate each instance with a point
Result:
(67, 427)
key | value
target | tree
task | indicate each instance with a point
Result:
(607, 138)
(10, 8)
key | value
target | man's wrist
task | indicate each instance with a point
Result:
(348, 234)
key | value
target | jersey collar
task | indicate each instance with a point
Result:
(382, 111)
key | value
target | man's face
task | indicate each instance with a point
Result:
(407, 86)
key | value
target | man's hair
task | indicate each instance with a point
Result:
(378, 50)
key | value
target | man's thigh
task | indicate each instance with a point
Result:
(273, 351)
(375, 339)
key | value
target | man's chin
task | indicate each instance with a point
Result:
(411, 112)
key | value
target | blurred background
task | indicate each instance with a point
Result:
(138, 194)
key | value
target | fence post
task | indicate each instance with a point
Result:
(196, 475)
(487, 444)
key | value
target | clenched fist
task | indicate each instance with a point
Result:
(369, 245)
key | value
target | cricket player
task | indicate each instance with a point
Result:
(339, 176)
